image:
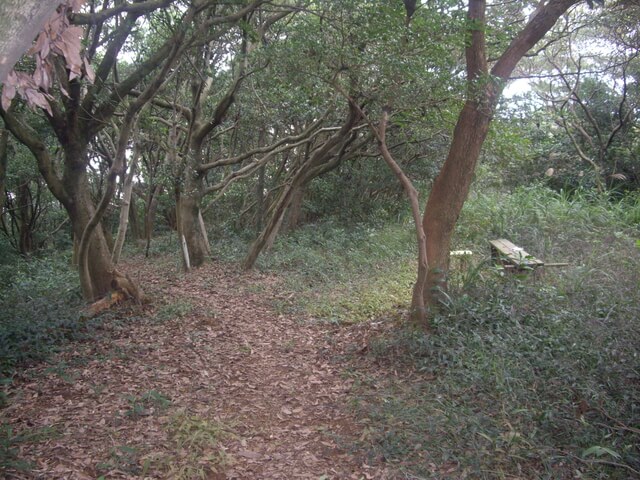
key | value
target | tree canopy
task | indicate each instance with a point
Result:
(266, 114)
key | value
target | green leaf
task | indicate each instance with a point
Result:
(599, 451)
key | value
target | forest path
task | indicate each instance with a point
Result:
(262, 393)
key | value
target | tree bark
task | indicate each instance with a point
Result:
(4, 160)
(134, 222)
(448, 194)
(96, 282)
(150, 216)
(20, 23)
(418, 314)
(24, 216)
(260, 200)
(124, 209)
(294, 212)
(189, 225)
(451, 186)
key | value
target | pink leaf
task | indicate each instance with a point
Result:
(76, 5)
(71, 47)
(54, 25)
(46, 48)
(8, 92)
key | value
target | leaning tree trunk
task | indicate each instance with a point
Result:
(25, 210)
(150, 215)
(4, 158)
(451, 187)
(448, 194)
(271, 229)
(136, 230)
(323, 159)
(123, 223)
(294, 213)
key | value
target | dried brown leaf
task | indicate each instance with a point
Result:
(38, 45)
(88, 70)
(8, 92)
(70, 45)
(37, 98)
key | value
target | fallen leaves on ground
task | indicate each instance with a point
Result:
(265, 394)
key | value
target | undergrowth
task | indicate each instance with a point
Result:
(340, 274)
(525, 376)
(40, 300)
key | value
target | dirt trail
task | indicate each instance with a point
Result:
(225, 360)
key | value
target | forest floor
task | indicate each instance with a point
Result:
(208, 381)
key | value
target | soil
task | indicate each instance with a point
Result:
(208, 381)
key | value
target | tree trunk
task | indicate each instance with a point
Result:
(267, 236)
(24, 216)
(260, 200)
(134, 222)
(323, 159)
(99, 265)
(20, 22)
(150, 215)
(448, 194)
(4, 160)
(418, 314)
(189, 229)
(203, 231)
(124, 209)
(451, 187)
(294, 213)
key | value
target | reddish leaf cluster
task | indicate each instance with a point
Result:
(58, 39)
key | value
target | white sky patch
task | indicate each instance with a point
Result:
(517, 87)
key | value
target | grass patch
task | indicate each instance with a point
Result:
(506, 388)
(344, 275)
(174, 310)
(10, 442)
(124, 458)
(40, 299)
(147, 404)
(198, 447)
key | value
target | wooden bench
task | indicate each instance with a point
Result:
(512, 256)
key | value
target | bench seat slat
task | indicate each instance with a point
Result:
(507, 251)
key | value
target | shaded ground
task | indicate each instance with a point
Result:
(210, 382)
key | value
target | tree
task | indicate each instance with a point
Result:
(369, 58)
(592, 97)
(484, 84)
(77, 112)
